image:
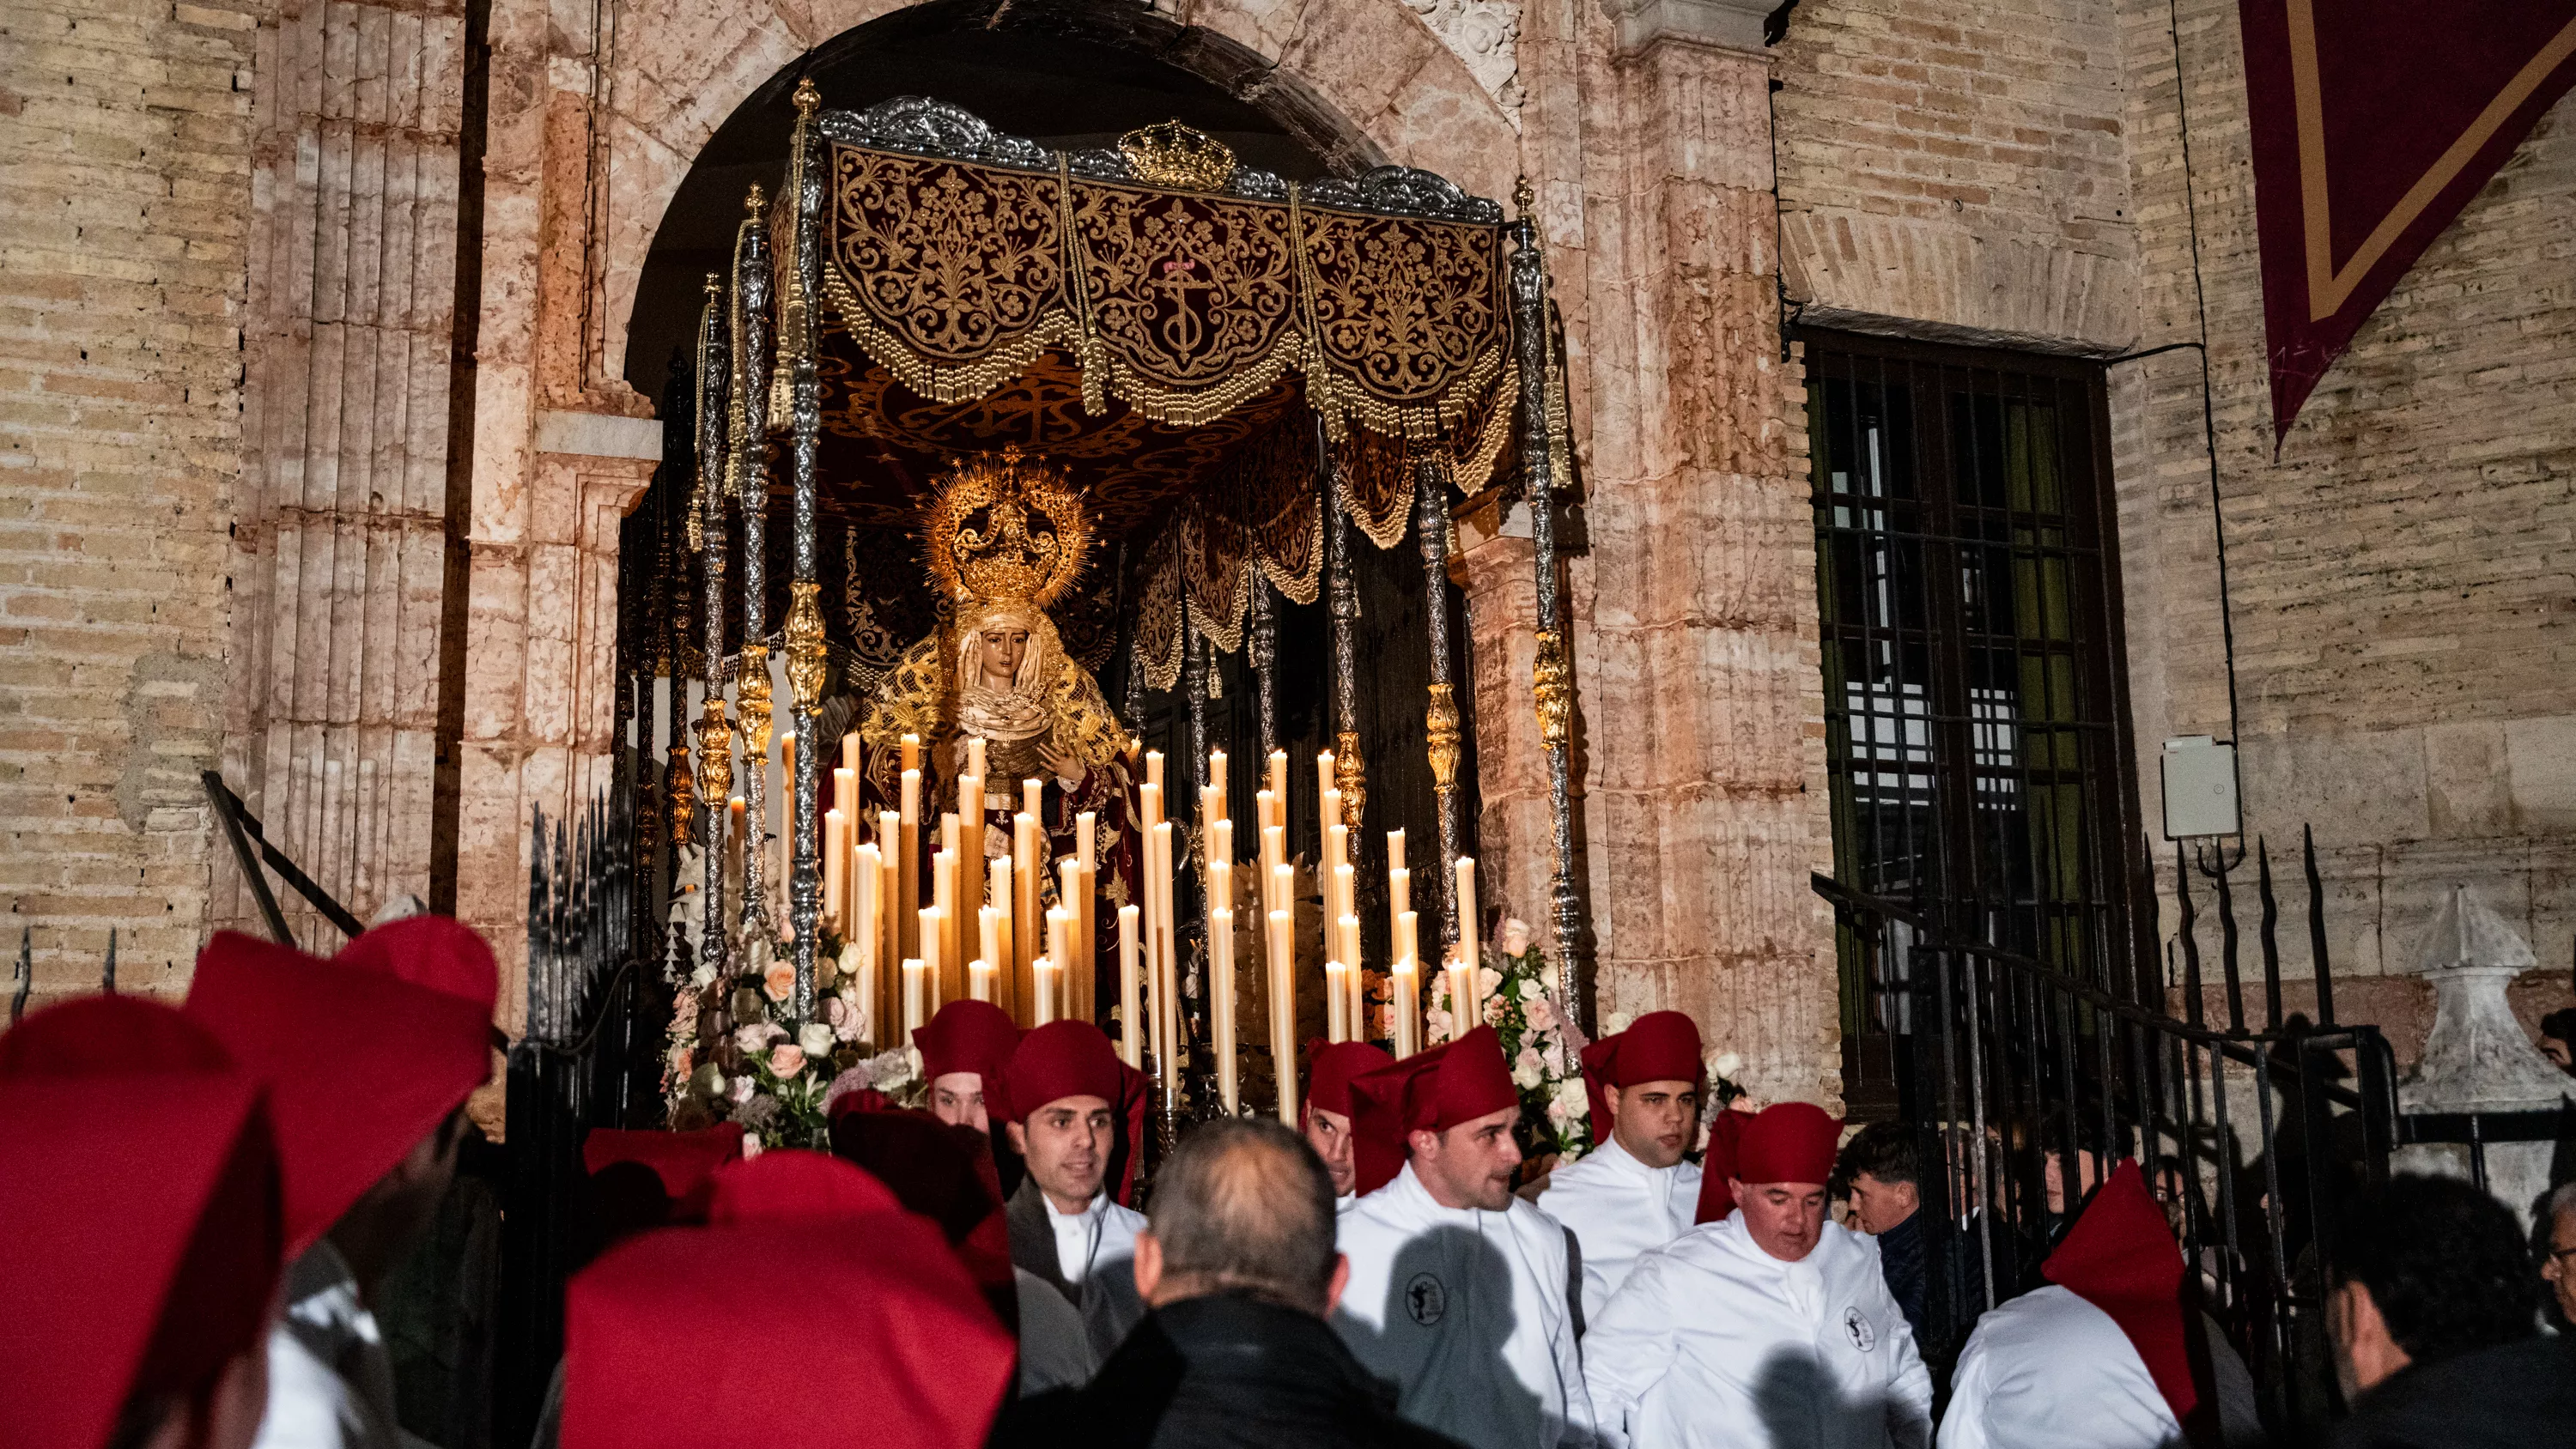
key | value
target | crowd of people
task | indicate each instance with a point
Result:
(202, 1203)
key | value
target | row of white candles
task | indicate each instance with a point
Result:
(871, 889)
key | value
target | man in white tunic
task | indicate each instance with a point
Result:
(368, 1059)
(1062, 1089)
(1768, 1329)
(1634, 1191)
(1326, 1119)
(1459, 1292)
(2099, 1358)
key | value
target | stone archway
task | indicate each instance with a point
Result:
(583, 164)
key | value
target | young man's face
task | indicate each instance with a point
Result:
(1066, 1143)
(1329, 1133)
(1471, 1164)
(1654, 1122)
(1785, 1218)
(2556, 1051)
(1878, 1204)
(957, 1098)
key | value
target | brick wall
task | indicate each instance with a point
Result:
(125, 143)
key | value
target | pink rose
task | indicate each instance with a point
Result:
(786, 1059)
(1514, 938)
(1538, 1014)
(779, 980)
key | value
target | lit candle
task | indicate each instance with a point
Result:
(1277, 880)
(988, 934)
(907, 863)
(1356, 983)
(1067, 953)
(916, 1010)
(1059, 921)
(1047, 974)
(1083, 979)
(733, 859)
(1216, 776)
(1033, 799)
(1167, 1023)
(1337, 1002)
(1467, 1002)
(1467, 919)
(1003, 902)
(911, 752)
(946, 959)
(970, 843)
(1027, 884)
(1408, 939)
(1221, 1002)
(1154, 769)
(1278, 789)
(836, 870)
(889, 909)
(1283, 1009)
(1131, 1031)
(1404, 985)
(864, 917)
(931, 934)
(979, 980)
(1324, 782)
(849, 762)
(975, 755)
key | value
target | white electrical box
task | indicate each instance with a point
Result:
(2200, 788)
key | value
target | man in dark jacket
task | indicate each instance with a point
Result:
(1238, 1265)
(2432, 1313)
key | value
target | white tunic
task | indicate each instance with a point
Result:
(1467, 1313)
(1619, 1207)
(330, 1381)
(1713, 1343)
(2048, 1370)
(1101, 1237)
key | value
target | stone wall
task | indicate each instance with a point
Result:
(125, 218)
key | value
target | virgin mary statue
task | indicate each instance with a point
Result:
(1005, 537)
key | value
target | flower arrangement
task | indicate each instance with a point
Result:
(735, 1053)
(1541, 1042)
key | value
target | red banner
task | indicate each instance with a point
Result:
(2374, 122)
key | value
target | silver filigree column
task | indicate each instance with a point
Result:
(1342, 600)
(747, 478)
(1440, 733)
(715, 733)
(804, 644)
(1551, 684)
(1265, 659)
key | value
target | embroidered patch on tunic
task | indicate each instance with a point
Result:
(1863, 1336)
(1425, 1299)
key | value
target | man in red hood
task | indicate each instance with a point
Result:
(1327, 1114)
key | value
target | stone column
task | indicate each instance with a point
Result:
(561, 453)
(2477, 1057)
(1514, 828)
(340, 542)
(1696, 615)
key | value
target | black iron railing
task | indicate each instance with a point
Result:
(2026, 1083)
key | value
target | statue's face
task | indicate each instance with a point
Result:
(999, 652)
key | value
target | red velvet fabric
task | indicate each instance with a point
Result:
(945, 1173)
(363, 1055)
(1433, 1090)
(138, 1180)
(1660, 1046)
(1788, 1142)
(695, 1336)
(2121, 1257)
(1058, 1060)
(681, 1164)
(966, 1036)
(1718, 1165)
(2409, 109)
(1330, 1066)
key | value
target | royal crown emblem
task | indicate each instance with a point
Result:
(1006, 528)
(1168, 153)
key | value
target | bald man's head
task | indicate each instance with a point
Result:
(1244, 1205)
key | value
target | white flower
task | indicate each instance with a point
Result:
(849, 962)
(1569, 1095)
(743, 1086)
(1725, 1064)
(1488, 981)
(1617, 1022)
(816, 1039)
(1527, 1072)
(1540, 1013)
(1556, 1112)
(703, 977)
(754, 1037)
(752, 1146)
(1514, 938)
(1530, 989)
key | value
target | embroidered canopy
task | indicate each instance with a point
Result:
(1182, 335)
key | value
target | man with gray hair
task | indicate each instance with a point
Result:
(2557, 1233)
(1238, 1268)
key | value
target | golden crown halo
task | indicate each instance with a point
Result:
(1005, 528)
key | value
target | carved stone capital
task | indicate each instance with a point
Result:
(1735, 24)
